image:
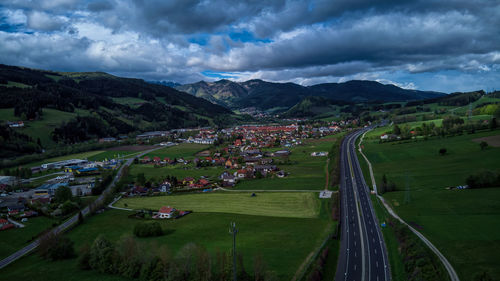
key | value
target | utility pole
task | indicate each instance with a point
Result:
(407, 192)
(233, 230)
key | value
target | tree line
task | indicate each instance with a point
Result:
(129, 259)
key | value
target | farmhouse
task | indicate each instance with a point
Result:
(166, 212)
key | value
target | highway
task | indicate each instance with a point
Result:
(363, 255)
(71, 221)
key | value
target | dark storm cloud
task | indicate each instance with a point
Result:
(281, 40)
(100, 5)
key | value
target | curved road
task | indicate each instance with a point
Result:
(64, 226)
(363, 255)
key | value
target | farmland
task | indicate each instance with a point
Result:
(263, 204)
(179, 171)
(262, 235)
(185, 150)
(461, 223)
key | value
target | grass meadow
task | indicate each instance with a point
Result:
(463, 224)
(258, 235)
(293, 205)
(185, 150)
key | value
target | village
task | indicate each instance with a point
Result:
(240, 153)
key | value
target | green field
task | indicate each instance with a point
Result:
(185, 150)
(12, 240)
(463, 224)
(293, 205)
(307, 172)
(180, 171)
(264, 235)
(421, 163)
(130, 101)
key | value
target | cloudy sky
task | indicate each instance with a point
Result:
(447, 46)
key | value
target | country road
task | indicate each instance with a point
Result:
(363, 255)
(68, 223)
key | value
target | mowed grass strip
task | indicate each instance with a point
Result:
(185, 150)
(292, 205)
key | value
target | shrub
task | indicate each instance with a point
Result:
(483, 179)
(56, 247)
(148, 229)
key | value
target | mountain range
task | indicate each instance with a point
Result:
(268, 95)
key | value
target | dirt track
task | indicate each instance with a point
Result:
(492, 141)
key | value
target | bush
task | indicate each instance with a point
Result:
(102, 255)
(148, 229)
(84, 258)
(483, 179)
(56, 247)
(442, 151)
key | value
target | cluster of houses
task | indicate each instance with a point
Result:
(14, 208)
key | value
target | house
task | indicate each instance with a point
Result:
(203, 182)
(228, 179)
(15, 208)
(384, 137)
(156, 159)
(16, 124)
(166, 212)
(103, 140)
(188, 180)
(242, 173)
(282, 153)
(5, 224)
(281, 174)
(165, 187)
(237, 142)
(146, 159)
(228, 164)
(265, 161)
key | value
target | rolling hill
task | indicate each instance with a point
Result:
(267, 95)
(94, 105)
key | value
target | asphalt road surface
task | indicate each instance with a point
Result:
(363, 255)
(30, 247)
